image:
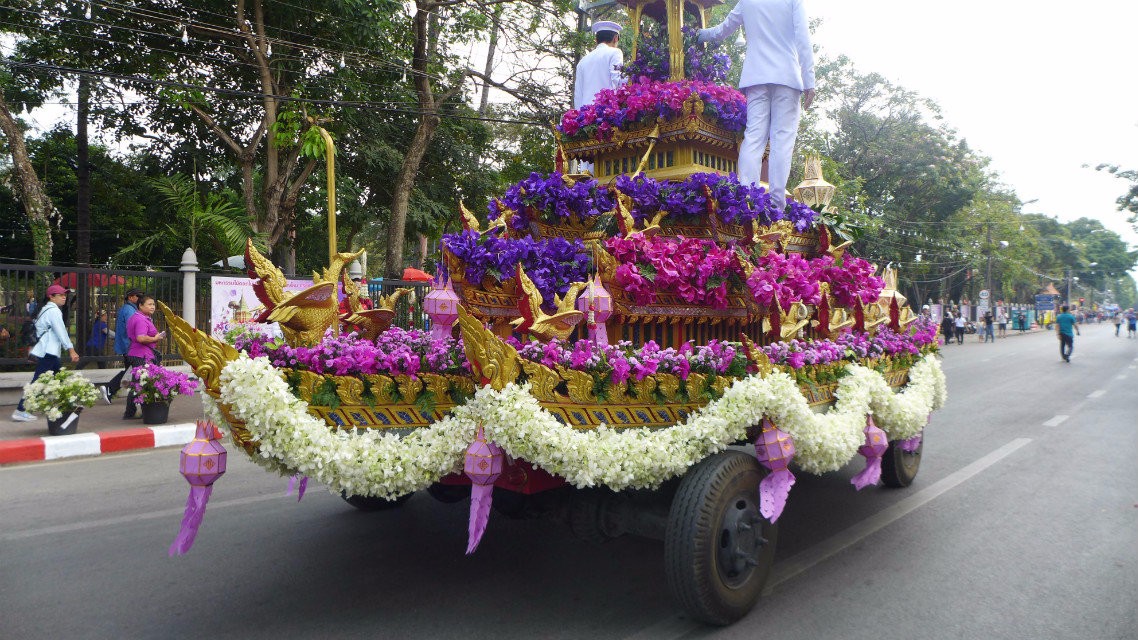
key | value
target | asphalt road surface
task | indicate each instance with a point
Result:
(1023, 523)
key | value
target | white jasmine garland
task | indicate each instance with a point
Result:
(375, 463)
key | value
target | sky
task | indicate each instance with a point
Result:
(1039, 91)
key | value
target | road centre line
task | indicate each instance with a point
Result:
(1056, 421)
(1097, 394)
(830, 547)
(130, 519)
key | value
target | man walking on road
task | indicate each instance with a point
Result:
(1066, 326)
(959, 327)
(989, 335)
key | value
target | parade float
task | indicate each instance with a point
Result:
(650, 350)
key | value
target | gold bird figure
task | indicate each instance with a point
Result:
(794, 320)
(830, 319)
(872, 316)
(491, 359)
(760, 362)
(505, 215)
(540, 324)
(627, 223)
(826, 243)
(303, 317)
(469, 220)
(369, 323)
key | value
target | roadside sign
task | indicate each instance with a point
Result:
(1044, 302)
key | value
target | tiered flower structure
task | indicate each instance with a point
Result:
(643, 101)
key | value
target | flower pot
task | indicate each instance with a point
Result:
(155, 412)
(66, 425)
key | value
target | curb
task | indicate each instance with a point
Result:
(94, 444)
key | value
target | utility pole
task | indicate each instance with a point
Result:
(989, 278)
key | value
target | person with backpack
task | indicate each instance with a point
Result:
(122, 345)
(51, 338)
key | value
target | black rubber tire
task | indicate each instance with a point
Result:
(718, 549)
(898, 468)
(371, 503)
(449, 493)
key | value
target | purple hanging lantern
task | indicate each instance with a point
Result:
(876, 443)
(483, 466)
(441, 304)
(774, 448)
(596, 303)
(202, 463)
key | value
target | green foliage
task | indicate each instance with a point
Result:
(325, 395)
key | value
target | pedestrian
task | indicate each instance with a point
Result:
(959, 326)
(1066, 325)
(947, 327)
(1021, 320)
(97, 343)
(122, 341)
(989, 327)
(1131, 323)
(599, 69)
(1002, 322)
(144, 339)
(51, 338)
(778, 81)
(1117, 323)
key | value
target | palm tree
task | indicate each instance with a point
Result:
(214, 218)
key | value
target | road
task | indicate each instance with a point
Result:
(1023, 523)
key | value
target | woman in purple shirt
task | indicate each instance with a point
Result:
(144, 338)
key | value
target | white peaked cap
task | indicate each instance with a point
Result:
(607, 26)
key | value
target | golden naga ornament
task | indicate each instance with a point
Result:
(492, 360)
(201, 351)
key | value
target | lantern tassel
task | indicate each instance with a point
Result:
(292, 485)
(191, 520)
(876, 442)
(481, 495)
(774, 449)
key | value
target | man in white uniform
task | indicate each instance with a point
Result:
(599, 69)
(778, 74)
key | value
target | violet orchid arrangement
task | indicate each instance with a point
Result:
(153, 383)
(550, 199)
(653, 60)
(553, 264)
(698, 271)
(643, 101)
(396, 351)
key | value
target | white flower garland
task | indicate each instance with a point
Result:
(375, 463)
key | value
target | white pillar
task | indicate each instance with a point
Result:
(189, 271)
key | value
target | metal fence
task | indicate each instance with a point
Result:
(23, 291)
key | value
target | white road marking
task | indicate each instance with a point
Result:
(830, 547)
(130, 519)
(1097, 394)
(1056, 421)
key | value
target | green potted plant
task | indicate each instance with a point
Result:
(60, 397)
(155, 387)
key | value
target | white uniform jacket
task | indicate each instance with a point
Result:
(778, 42)
(599, 69)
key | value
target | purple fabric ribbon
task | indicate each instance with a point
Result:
(876, 443)
(292, 484)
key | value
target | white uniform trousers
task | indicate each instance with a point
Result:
(773, 111)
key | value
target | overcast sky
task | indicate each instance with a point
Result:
(1038, 90)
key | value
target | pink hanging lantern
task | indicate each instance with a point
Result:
(202, 463)
(441, 304)
(596, 303)
(876, 443)
(483, 465)
(774, 448)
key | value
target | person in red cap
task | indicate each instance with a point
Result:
(51, 338)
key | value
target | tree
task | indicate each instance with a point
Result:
(37, 206)
(1129, 200)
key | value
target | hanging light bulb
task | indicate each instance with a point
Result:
(341, 61)
(185, 35)
(269, 49)
(87, 13)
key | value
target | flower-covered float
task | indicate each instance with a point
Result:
(654, 350)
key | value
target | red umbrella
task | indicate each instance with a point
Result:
(70, 280)
(417, 275)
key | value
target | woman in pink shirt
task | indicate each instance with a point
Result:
(144, 338)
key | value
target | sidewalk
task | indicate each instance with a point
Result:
(101, 430)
